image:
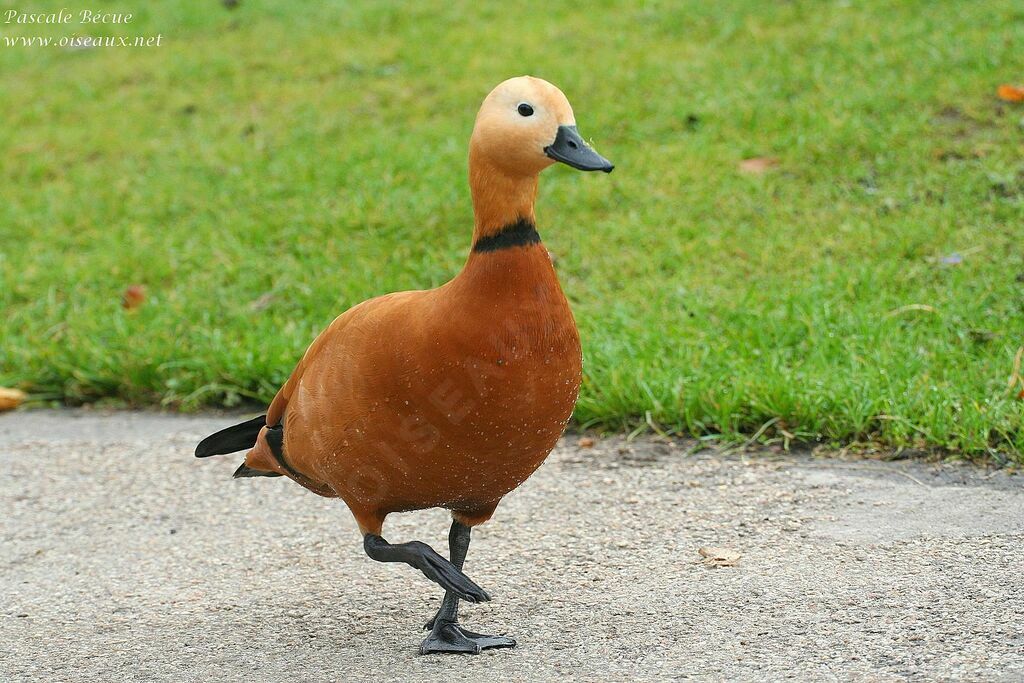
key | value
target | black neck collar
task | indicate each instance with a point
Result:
(519, 234)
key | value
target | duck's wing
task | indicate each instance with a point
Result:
(325, 340)
(277, 407)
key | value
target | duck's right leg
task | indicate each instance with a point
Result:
(423, 557)
(446, 633)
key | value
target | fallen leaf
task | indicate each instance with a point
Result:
(759, 165)
(133, 297)
(10, 398)
(586, 442)
(1011, 93)
(719, 557)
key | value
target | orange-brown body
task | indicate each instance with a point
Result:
(449, 397)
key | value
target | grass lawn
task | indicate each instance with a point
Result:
(267, 167)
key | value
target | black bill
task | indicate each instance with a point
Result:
(570, 149)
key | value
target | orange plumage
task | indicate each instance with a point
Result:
(449, 397)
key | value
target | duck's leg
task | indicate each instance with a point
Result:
(423, 557)
(446, 635)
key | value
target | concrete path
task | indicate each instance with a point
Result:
(123, 558)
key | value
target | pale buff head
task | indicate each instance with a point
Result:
(526, 124)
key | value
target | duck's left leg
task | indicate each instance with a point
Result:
(446, 634)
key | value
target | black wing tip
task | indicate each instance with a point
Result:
(238, 437)
(205, 449)
(244, 471)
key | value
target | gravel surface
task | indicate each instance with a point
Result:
(123, 558)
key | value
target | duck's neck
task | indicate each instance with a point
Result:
(502, 204)
(507, 254)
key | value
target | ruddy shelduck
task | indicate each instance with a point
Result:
(448, 397)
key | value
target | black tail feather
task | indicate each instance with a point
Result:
(236, 438)
(246, 471)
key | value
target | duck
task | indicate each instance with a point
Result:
(448, 397)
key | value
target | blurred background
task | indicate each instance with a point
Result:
(813, 232)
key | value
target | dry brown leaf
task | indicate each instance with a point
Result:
(10, 398)
(1011, 93)
(759, 165)
(133, 297)
(719, 557)
(586, 442)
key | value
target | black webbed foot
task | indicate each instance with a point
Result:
(446, 635)
(450, 637)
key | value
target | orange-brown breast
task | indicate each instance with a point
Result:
(449, 398)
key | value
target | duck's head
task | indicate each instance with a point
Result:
(525, 125)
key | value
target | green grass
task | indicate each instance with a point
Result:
(270, 166)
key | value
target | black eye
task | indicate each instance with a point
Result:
(525, 109)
